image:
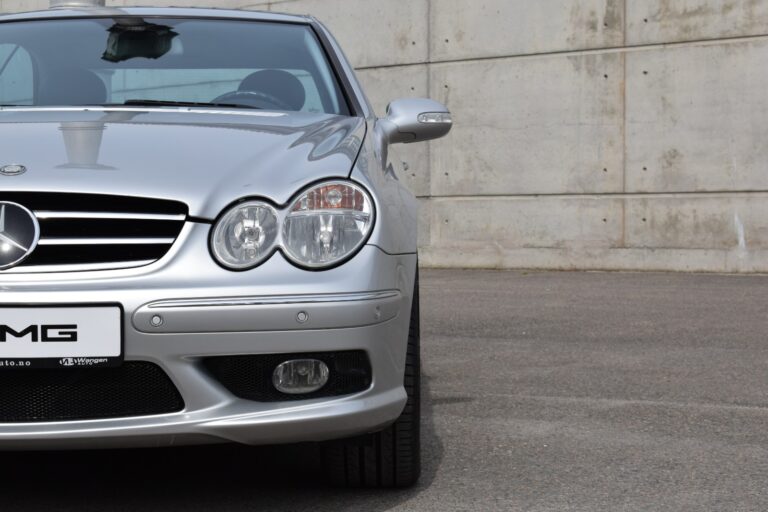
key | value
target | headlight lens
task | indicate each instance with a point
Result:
(245, 235)
(327, 224)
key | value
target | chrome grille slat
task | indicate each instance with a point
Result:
(84, 232)
(44, 215)
(44, 269)
(106, 241)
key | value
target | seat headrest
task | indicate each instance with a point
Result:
(281, 84)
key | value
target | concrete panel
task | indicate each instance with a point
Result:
(23, 5)
(514, 223)
(667, 21)
(530, 125)
(464, 29)
(736, 222)
(383, 85)
(372, 32)
(696, 118)
(709, 233)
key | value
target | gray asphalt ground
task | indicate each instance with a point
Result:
(544, 392)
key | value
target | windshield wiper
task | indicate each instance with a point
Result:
(169, 103)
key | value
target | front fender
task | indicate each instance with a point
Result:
(378, 168)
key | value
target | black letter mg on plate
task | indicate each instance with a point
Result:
(61, 336)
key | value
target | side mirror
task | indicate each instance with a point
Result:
(415, 120)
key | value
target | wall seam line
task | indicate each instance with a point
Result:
(607, 195)
(428, 148)
(585, 51)
(624, 130)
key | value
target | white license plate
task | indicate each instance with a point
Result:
(61, 337)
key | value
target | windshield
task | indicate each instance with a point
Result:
(166, 62)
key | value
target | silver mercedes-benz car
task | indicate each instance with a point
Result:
(203, 238)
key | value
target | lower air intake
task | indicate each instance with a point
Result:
(136, 388)
(250, 377)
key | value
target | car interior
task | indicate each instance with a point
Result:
(268, 88)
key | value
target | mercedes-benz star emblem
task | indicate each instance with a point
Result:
(12, 170)
(19, 234)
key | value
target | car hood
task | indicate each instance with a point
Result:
(206, 159)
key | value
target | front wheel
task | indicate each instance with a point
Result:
(392, 457)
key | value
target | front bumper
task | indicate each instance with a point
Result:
(208, 311)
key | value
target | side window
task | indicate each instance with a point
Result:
(16, 76)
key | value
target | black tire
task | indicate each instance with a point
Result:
(390, 458)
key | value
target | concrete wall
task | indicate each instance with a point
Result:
(590, 134)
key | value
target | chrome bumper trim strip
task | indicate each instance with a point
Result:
(277, 299)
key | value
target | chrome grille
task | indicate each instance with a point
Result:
(92, 232)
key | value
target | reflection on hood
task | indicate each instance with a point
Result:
(206, 159)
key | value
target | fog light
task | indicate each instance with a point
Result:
(300, 376)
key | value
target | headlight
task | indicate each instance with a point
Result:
(327, 224)
(245, 236)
